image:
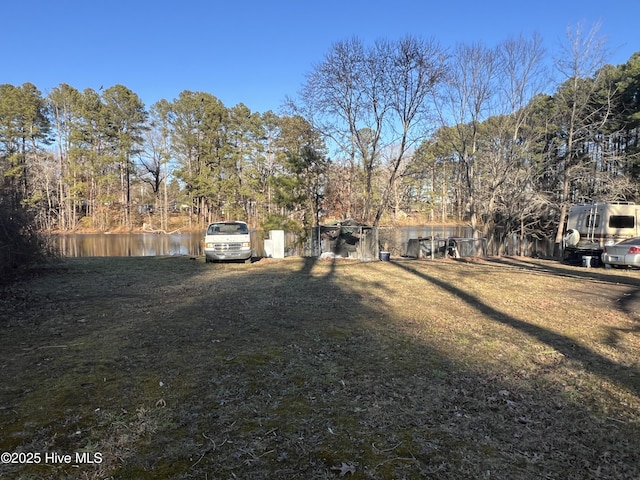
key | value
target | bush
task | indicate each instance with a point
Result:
(20, 244)
(277, 222)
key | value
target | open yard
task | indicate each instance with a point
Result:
(170, 368)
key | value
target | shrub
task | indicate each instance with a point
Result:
(20, 244)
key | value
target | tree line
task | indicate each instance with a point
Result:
(379, 133)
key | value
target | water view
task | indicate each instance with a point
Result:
(191, 244)
(127, 244)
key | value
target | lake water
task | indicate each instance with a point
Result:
(191, 244)
(398, 236)
(127, 244)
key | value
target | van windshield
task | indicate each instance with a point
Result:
(227, 229)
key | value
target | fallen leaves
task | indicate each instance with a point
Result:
(345, 468)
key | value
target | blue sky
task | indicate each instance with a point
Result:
(258, 52)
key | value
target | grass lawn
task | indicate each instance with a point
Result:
(170, 368)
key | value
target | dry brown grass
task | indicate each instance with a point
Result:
(170, 368)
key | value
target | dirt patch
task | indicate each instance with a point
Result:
(173, 368)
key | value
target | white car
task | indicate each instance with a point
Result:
(624, 253)
(227, 241)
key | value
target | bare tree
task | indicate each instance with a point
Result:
(509, 138)
(465, 100)
(343, 99)
(414, 69)
(152, 167)
(582, 57)
(487, 98)
(366, 99)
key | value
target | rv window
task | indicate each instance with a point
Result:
(593, 221)
(621, 221)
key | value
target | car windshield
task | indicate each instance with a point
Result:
(227, 229)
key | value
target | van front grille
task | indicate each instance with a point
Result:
(226, 247)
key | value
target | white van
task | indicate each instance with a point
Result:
(227, 241)
(591, 226)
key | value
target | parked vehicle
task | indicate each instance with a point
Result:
(591, 227)
(227, 241)
(624, 253)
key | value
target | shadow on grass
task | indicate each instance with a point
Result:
(561, 269)
(596, 279)
(628, 377)
(298, 369)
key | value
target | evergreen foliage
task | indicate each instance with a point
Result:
(396, 129)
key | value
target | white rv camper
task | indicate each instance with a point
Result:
(592, 226)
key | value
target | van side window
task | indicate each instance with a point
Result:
(593, 221)
(621, 221)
